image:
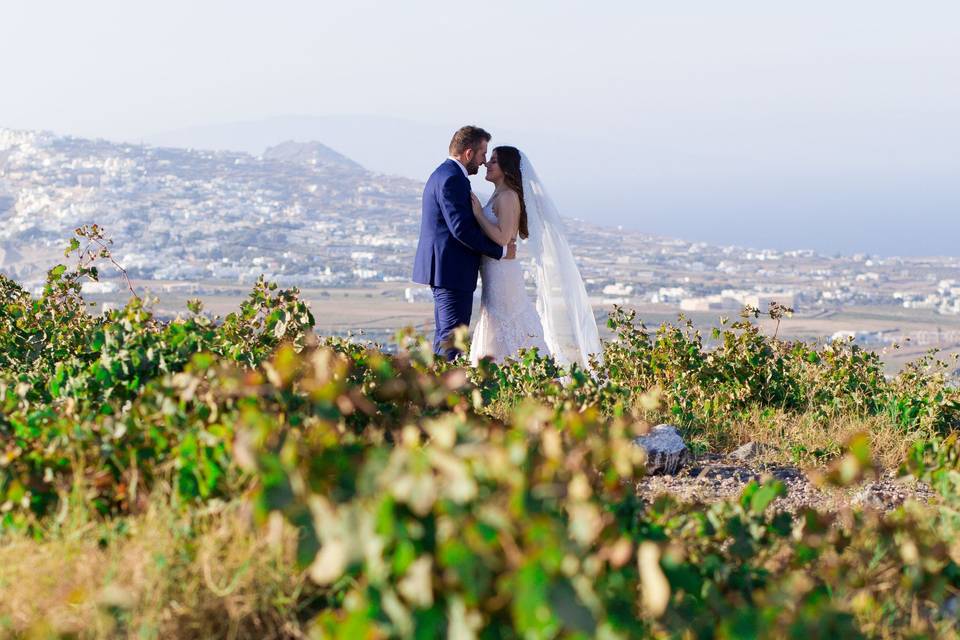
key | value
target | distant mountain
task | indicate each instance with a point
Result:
(401, 147)
(692, 176)
(301, 213)
(312, 153)
(385, 145)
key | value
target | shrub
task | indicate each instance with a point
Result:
(433, 499)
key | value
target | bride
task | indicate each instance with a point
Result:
(562, 323)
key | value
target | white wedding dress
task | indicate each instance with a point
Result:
(561, 323)
(508, 317)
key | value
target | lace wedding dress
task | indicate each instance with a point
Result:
(508, 317)
(561, 323)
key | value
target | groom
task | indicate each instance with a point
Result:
(451, 240)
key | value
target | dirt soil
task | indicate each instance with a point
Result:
(711, 478)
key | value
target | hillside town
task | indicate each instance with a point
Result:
(299, 214)
(304, 215)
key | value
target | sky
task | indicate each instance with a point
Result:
(825, 125)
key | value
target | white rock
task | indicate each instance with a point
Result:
(666, 451)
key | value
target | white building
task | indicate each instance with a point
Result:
(417, 294)
(617, 289)
(709, 303)
(98, 287)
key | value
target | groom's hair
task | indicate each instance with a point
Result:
(468, 137)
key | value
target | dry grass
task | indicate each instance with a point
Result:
(809, 440)
(161, 574)
(802, 439)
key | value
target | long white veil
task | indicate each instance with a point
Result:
(569, 328)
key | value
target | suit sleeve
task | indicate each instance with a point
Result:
(458, 212)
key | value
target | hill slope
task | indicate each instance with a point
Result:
(300, 210)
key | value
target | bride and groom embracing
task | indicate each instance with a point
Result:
(460, 239)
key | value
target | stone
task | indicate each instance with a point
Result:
(877, 495)
(750, 451)
(666, 451)
(786, 473)
(950, 608)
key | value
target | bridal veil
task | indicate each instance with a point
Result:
(569, 328)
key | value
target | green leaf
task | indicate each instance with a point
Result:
(765, 494)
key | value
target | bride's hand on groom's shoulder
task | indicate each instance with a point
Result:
(477, 207)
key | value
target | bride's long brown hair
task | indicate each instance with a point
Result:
(509, 160)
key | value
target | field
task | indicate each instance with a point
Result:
(245, 478)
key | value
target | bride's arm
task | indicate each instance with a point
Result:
(508, 218)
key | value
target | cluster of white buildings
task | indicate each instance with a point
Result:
(175, 214)
(302, 215)
(623, 267)
(945, 299)
(734, 300)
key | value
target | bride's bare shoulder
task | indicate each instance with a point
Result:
(507, 199)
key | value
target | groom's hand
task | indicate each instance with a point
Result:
(477, 207)
(511, 251)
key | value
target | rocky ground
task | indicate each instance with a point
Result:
(710, 478)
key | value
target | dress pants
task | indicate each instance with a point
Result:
(451, 308)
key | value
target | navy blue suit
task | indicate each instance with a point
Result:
(448, 254)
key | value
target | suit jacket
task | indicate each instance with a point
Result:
(451, 240)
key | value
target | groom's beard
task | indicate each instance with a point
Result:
(472, 168)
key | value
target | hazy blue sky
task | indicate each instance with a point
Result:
(833, 125)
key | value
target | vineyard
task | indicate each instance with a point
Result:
(240, 477)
